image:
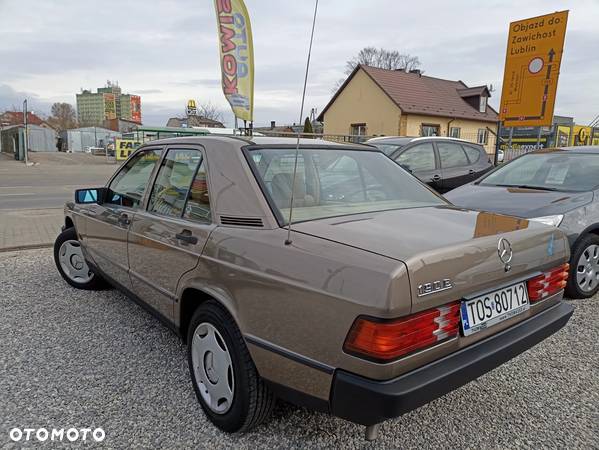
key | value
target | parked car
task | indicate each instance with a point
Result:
(441, 162)
(373, 298)
(559, 187)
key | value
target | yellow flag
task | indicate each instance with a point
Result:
(236, 56)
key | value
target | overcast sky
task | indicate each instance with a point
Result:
(166, 51)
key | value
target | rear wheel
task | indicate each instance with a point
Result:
(71, 263)
(224, 377)
(584, 268)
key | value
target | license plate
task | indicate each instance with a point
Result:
(487, 310)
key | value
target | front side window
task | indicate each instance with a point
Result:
(548, 171)
(331, 182)
(128, 186)
(452, 155)
(173, 181)
(419, 158)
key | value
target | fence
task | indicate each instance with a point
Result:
(81, 139)
(488, 140)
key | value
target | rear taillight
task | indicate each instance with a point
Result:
(384, 340)
(548, 283)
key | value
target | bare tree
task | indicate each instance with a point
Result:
(210, 111)
(381, 58)
(207, 111)
(63, 116)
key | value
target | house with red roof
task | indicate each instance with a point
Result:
(10, 118)
(375, 102)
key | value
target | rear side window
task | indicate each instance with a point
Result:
(472, 152)
(419, 158)
(173, 182)
(452, 155)
(198, 201)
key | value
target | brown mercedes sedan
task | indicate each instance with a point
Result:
(384, 297)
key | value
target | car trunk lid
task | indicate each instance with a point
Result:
(450, 253)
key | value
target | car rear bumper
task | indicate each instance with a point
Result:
(368, 402)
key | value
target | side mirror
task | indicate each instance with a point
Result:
(93, 195)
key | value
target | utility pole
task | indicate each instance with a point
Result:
(26, 132)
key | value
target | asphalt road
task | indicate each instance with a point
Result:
(50, 182)
(72, 358)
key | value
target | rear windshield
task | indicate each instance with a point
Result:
(551, 171)
(331, 182)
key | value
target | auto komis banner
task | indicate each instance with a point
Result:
(236, 56)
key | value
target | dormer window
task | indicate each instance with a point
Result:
(482, 106)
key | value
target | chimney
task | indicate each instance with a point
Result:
(272, 124)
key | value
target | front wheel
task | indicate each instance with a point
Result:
(584, 268)
(71, 263)
(224, 377)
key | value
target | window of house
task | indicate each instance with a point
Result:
(483, 136)
(482, 106)
(358, 129)
(429, 130)
(454, 132)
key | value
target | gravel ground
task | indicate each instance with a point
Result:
(72, 358)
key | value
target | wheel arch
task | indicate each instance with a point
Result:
(591, 229)
(68, 223)
(191, 298)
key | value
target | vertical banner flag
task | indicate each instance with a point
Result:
(236, 56)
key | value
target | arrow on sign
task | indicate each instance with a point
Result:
(551, 54)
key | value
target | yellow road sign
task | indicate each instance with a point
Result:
(124, 147)
(534, 54)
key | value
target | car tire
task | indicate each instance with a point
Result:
(584, 268)
(244, 400)
(71, 263)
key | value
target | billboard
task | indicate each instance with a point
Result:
(236, 56)
(109, 106)
(532, 63)
(192, 109)
(124, 147)
(136, 108)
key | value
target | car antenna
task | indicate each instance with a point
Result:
(288, 240)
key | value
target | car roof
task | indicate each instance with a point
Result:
(241, 141)
(592, 149)
(403, 140)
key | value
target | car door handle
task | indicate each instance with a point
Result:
(471, 171)
(186, 236)
(436, 178)
(124, 219)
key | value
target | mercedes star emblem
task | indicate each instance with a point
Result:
(505, 252)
